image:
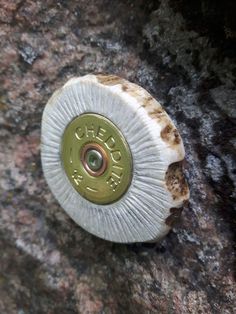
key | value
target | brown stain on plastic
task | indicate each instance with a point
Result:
(170, 134)
(109, 80)
(175, 181)
(174, 216)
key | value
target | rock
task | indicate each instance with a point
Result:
(28, 54)
(182, 53)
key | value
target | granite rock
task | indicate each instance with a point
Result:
(182, 56)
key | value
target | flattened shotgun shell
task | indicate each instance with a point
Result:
(113, 159)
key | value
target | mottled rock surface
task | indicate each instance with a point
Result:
(181, 52)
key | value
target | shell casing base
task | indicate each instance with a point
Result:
(96, 158)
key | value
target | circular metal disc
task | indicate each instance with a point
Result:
(92, 131)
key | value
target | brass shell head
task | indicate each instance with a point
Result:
(96, 158)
